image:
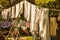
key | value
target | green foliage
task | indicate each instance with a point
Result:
(52, 4)
(9, 3)
(42, 1)
(53, 13)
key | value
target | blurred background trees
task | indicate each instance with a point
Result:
(8, 3)
(39, 3)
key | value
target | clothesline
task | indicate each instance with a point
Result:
(52, 9)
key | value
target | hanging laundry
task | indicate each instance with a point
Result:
(37, 15)
(9, 14)
(43, 24)
(13, 11)
(38, 19)
(20, 7)
(27, 10)
(17, 10)
(4, 14)
(33, 7)
(29, 14)
(41, 19)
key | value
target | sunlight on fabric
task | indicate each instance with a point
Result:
(17, 9)
(32, 17)
(4, 13)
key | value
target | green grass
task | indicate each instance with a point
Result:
(28, 37)
(22, 38)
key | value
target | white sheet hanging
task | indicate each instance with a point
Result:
(4, 13)
(38, 16)
(17, 10)
(9, 14)
(27, 10)
(44, 24)
(21, 7)
(13, 12)
(33, 7)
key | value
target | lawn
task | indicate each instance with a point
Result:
(21, 38)
(27, 37)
